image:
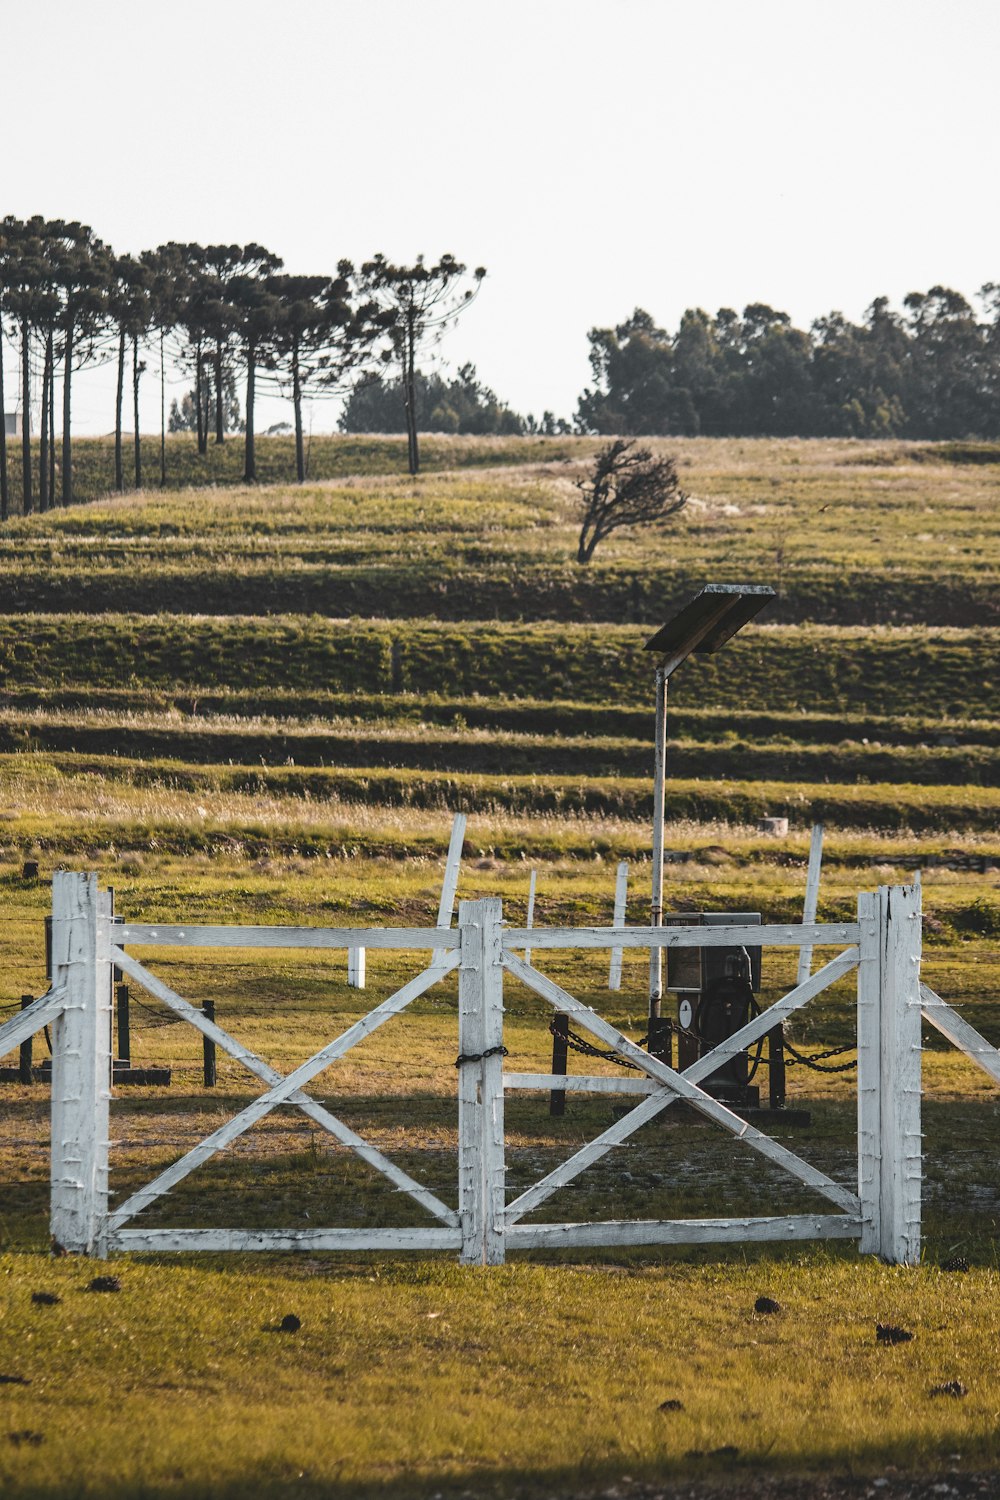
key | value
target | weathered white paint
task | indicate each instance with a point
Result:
(869, 1072)
(899, 1089)
(183, 1240)
(356, 968)
(449, 885)
(812, 897)
(480, 1083)
(39, 1013)
(284, 1090)
(621, 905)
(684, 1231)
(959, 1032)
(529, 920)
(677, 1084)
(81, 1061)
(582, 1083)
(146, 935)
(784, 936)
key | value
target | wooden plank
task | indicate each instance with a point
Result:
(958, 1031)
(582, 1083)
(899, 1083)
(621, 904)
(145, 935)
(41, 1012)
(678, 1084)
(812, 898)
(283, 1090)
(529, 921)
(183, 1240)
(684, 1231)
(790, 936)
(480, 1096)
(449, 885)
(81, 1062)
(869, 1121)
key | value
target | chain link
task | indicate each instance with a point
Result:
(815, 1060)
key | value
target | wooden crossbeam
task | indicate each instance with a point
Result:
(676, 1085)
(34, 1016)
(736, 935)
(284, 1090)
(958, 1031)
(148, 935)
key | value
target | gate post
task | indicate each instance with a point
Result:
(889, 1131)
(480, 1083)
(81, 1062)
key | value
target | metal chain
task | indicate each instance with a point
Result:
(814, 1060)
(578, 1043)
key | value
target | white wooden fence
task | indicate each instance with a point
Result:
(883, 1214)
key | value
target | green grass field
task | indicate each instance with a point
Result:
(264, 707)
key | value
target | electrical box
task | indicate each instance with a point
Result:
(689, 970)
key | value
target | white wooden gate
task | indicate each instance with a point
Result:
(883, 1214)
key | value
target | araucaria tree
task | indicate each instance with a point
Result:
(626, 486)
(421, 301)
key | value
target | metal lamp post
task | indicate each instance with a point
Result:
(706, 622)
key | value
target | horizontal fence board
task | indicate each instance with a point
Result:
(684, 1231)
(147, 935)
(284, 1239)
(784, 936)
(579, 1083)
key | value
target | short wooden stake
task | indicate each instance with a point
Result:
(449, 885)
(24, 1056)
(481, 1191)
(81, 1062)
(208, 1046)
(776, 1067)
(529, 920)
(356, 968)
(621, 906)
(812, 899)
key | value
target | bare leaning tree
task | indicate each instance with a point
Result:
(626, 486)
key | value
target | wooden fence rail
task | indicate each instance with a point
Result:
(882, 1211)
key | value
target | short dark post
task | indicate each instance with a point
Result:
(24, 1060)
(208, 1045)
(660, 1040)
(48, 947)
(776, 1066)
(560, 1054)
(124, 1039)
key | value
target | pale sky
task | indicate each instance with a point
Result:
(594, 156)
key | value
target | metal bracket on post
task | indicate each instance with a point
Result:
(81, 1062)
(480, 1083)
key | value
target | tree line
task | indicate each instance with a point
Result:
(931, 371)
(222, 312)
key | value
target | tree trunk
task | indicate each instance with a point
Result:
(119, 397)
(199, 380)
(67, 446)
(136, 372)
(45, 496)
(410, 399)
(250, 467)
(300, 458)
(25, 420)
(220, 425)
(163, 418)
(4, 491)
(52, 427)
